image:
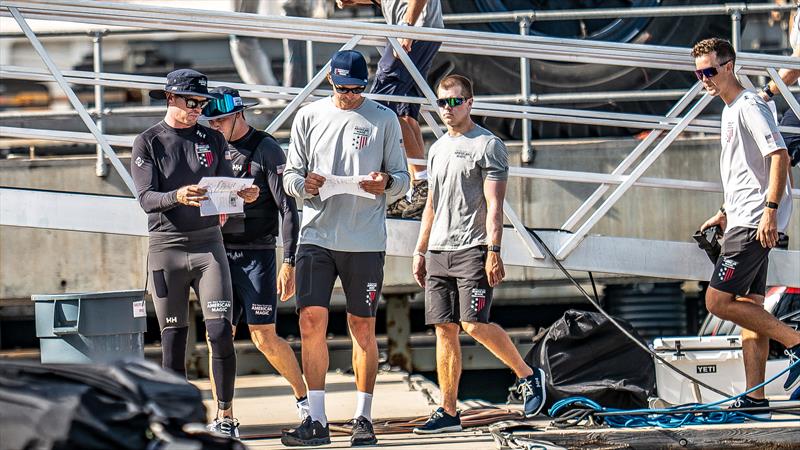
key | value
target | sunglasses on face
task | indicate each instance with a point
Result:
(222, 105)
(709, 72)
(192, 103)
(450, 101)
(346, 90)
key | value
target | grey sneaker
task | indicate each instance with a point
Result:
(419, 196)
(226, 426)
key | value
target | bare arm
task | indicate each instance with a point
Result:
(347, 3)
(767, 232)
(414, 10)
(789, 76)
(418, 263)
(494, 192)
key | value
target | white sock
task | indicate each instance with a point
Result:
(364, 407)
(421, 175)
(316, 401)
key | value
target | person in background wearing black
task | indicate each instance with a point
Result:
(250, 239)
(186, 249)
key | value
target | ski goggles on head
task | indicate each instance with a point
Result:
(223, 105)
(450, 101)
(709, 72)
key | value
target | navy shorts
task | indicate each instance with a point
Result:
(254, 286)
(393, 78)
(457, 287)
(361, 274)
(742, 265)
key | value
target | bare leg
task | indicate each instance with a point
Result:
(280, 355)
(491, 336)
(313, 326)
(365, 352)
(448, 364)
(750, 316)
(413, 143)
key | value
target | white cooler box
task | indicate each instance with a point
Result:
(714, 360)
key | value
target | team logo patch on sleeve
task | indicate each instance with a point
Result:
(360, 137)
(204, 155)
(726, 269)
(139, 161)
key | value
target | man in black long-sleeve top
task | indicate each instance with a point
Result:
(250, 239)
(186, 249)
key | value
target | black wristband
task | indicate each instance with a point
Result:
(722, 210)
(771, 205)
(767, 90)
(493, 248)
(289, 260)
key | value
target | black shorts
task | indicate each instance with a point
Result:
(392, 77)
(254, 281)
(456, 287)
(361, 274)
(742, 265)
(179, 261)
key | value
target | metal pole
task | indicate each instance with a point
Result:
(101, 168)
(736, 29)
(309, 60)
(525, 88)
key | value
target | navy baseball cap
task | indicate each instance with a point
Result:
(184, 82)
(348, 67)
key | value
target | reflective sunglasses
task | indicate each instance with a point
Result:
(222, 105)
(192, 103)
(450, 101)
(344, 90)
(709, 72)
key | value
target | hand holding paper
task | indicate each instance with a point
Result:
(336, 185)
(223, 195)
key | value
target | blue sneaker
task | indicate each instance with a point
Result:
(440, 422)
(794, 373)
(795, 394)
(749, 402)
(533, 392)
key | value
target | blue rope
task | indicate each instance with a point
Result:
(674, 417)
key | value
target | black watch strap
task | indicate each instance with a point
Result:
(771, 205)
(493, 248)
(768, 91)
(289, 260)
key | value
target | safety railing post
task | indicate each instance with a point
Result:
(310, 60)
(101, 168)
(736, 29)
(525, 92)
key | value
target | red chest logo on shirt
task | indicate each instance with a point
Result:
(204, 155)
(729, 133)
(360, 137)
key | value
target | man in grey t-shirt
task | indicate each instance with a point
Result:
(461, 231)
(342, 235)
(757, 206)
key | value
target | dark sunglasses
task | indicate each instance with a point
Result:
(709, 72)
(344, 90)
(450, 101)
(222, 105)
(192, 103)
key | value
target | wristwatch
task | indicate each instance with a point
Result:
(493, 248)
(767, 90)
(289, 260)
(771, 205)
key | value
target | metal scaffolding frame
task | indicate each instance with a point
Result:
(458, 41)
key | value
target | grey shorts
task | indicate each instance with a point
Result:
(742, 265)
(179, 261)
(456, 287)
(361, 274)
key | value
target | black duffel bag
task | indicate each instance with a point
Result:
(585, 355)
(127, 405)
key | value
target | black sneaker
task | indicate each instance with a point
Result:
(363, 433)
(419, 196)
(440, 422)
(533, 392)
(396, 209)
(794, 373)
(226, 426)
(749, 402)
(310, 432)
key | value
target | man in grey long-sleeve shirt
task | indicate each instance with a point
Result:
(344, 235)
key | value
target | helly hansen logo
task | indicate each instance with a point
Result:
(710, 368)
(172, 319)
(726, 269)
(237, 167)
(478, 299)
(372, 293)
(204, 155)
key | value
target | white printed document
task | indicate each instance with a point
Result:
(336, 184)
(222, 195)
